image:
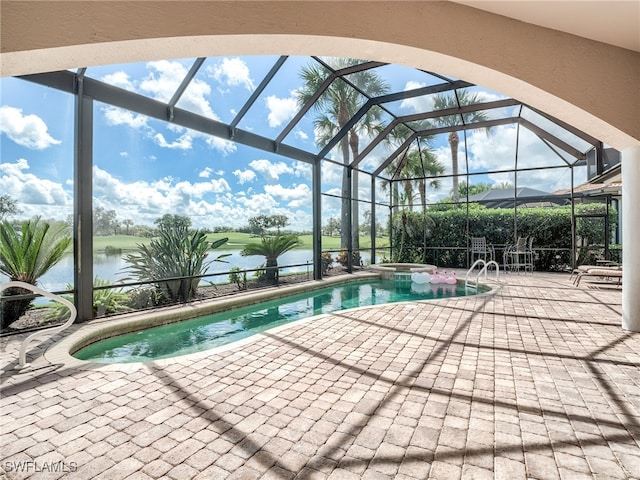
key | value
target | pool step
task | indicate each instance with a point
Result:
(402, 278)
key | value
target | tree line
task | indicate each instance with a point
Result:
(107, 222)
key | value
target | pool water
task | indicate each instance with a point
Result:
(204, 333)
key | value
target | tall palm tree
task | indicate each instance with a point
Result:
(271, 248)
(413, 168)
(25, 255)
(334, 109)
(455, 100)
(425, 165)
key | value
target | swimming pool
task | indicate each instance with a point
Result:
(210, 331)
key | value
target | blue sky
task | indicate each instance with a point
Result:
(144, 168)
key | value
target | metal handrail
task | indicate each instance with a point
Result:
(484, 269)
(22, 356)
(475, 264)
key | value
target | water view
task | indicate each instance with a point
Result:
(111, 267)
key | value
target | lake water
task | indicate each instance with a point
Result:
(112, 267)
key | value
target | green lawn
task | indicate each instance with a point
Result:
(237, 240)
(123, 242)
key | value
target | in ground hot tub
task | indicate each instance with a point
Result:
(392, 271)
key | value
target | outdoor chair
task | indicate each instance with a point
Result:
(519, 255)
(481, 249)
(597, 271)
(585, 268)
(529, 258)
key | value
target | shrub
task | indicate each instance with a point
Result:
(25, 255)
(260, 273)
(107, 301)
(109, 250)
(175, 260)
(342, 258)
(240, 279)
(446, 239)
(327, 262)
(143, 297)
(271, 248)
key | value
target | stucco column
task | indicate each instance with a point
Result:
(631, 238)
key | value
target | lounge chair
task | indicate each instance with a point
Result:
(600, 272)
(585, 268)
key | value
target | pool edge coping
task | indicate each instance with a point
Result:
(59, 354)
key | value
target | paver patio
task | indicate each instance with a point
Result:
(536, 381)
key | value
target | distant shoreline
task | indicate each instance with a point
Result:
(237, 240)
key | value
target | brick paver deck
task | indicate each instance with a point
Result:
(537, 381)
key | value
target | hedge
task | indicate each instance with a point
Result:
(549, 226)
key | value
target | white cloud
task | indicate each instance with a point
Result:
(119, 116)
(331, 205)
(245, 176)
(270, 171)
(233, 72)
(416, 104)
(36, 196)
(148, 201)
(206, 173)
(124, 154)
(297, 196)
(485, 96)
(225, 147)
(220, 185)
(208, 203)
(301, 135)
(443, 156)
(121, 80)
(303, 170)
(258, 204)
(280, 109)
(200, 189)
(331, 175)
(161, 84)
(184, 142)
(26, 130)
(425, 103)
(497, 152)
(165, 79)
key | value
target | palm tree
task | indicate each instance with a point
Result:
(425, 165)
(414, 167)
(271, 248)
(127, 223)
(456, 100)
(334, 108)
(25, 256)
